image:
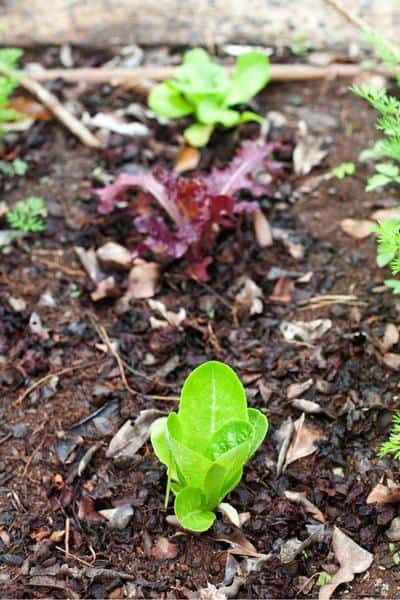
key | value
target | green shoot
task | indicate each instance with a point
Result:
(27, 215)
(344, 169)
(300, 45)
(392, 445)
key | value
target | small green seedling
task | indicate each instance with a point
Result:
(27, 215)
(204, 89)
(388, 250)
(392, 445)
(343, 170)
(323, 578)
(17, 167)
(300, 45)
(206, 444)
(9, 80)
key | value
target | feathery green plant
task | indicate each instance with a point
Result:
(392, 445)
(27, 215)
(388, 251)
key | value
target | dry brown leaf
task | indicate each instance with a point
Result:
(384, 494)
(230, 513)
(352, 559)
(171, 318)
(295, 390)
(187, 159)
(142, 282)
(164, 550)
(106, 288)
(303, 441)
(391, 336)
(393, 533)
(282, 291)
(114, 256)
(306, 155)
(119, 517)
(392, 361)
(301, 498)
(131, 436)
(307, 406)
(262, 229)
(240, 545)
(30, 108)
(357, 228)
(386, 213)
(89, 262)
(36, 327)
(248, 300)
(306, 331)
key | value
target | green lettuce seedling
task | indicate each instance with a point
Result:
(204, 89)
(207, 443)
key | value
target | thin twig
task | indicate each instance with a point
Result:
(28, 463)
(143, 78)
(357, 21)
(74, 557)
(67, 530)
(51, 264)
(42, 380)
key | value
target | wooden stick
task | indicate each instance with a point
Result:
(146, 76)
(357, 21)
(54, 105)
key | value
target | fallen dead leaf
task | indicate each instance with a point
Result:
(114, 256)
(392, 361)
(391, 336)
(301, 441)
(142, 282)
(386, 213)
(208, 593)
(295, 390)
(262, 229)
(301, 498)
(164, 550)
(307, 406)
(30, 108)
(291, 548)
(393, 533)
(131, 436)
(187, 159)
(306, 331)
(352, 560)
(282, 291)
(106, 288)
(307, 154)
(118, 517)
(171, 318)
(89, 262)
(384, 494)
(248, 300)
(240, 545)
(357, 228)
(230, 513)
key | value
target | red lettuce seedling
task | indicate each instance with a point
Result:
(198, 207)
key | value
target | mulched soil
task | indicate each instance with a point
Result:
(41, 492)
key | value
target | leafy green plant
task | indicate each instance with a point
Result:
(17, 167)
(392, 445)
(344, 169)
(9, 80)
(27, 215)
(300, 45)
(204, 89)
(388, 251)
(206, 444)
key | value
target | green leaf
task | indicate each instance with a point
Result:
(196, 57)
(384, 258)
(251, 74)
(158, 438)
(165, 100)
(27, 214)
(344, 169)
(233, 462)
(230, 435)
(197, 135)
(213, 483)
(211, 396)
(377, 181)
(249, 115)
(260, 428)
(388, 169)
(393, 284)
(190, 511)
(190, 465)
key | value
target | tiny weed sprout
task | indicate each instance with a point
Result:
(27, 215)
(388, 251)
(204, 90)
(343, 170)
(9, 80)
(206, 444)
(300, 45)
(392, 445)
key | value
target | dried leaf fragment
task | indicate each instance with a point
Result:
(352, 559)
(384, 494)
(187, 159)
(171, 318)
(142, 282)
(164, 550)
(113, 255)
(249, 299)
(303, 441)
(306, 331)
(295, 390)
(262, 229)
(357, 228)
(391, 336)
(131, 436)
(118, 517)
(301, 498)
(306, 155)
(392, 361)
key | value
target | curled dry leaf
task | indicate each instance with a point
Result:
(384, 494)
(118, 518)
(352, 560)
(239, 544)
(171, 318)
(302, 441)
(114, 256)
(295, 390)
(187, 159)
(142, 282)
(391, 336)
(89, 262)
(282, 291)
(209, 593)
(392, 361)
(131, 436)
(301, 498)
(106, 288)
(249, 299)
(262, 229)
(307, 406)
(306, 331)
(307, 154)
(164, 550)
(357, 228)
(230, 513)
(386, 213)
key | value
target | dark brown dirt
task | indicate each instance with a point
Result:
(40, 490)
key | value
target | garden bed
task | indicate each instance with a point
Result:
(41, 492)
